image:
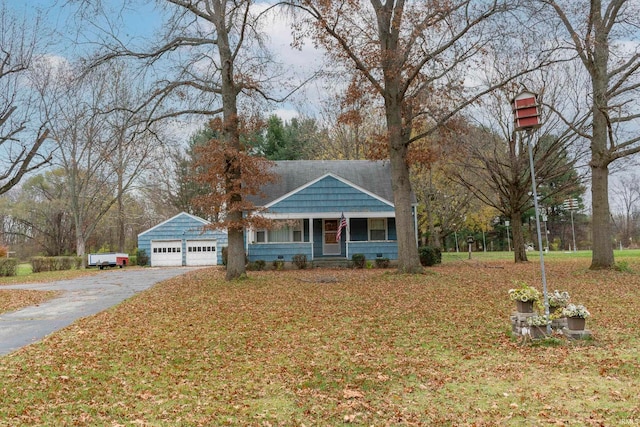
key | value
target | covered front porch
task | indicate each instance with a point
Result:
(373, 235)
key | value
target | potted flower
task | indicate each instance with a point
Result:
(576, 315)
(538, 325)
(524, 296)
(558, 300)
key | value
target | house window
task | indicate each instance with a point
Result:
(377, 229)
(290, 231)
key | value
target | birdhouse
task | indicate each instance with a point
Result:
(526, 110)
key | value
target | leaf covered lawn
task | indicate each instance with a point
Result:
(335, 347)
(12, 299)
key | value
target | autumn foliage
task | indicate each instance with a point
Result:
(233, 174)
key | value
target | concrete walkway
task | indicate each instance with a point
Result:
(80, 297)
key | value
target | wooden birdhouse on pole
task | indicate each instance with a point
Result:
(526, 110)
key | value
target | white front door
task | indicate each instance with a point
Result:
(330, 230)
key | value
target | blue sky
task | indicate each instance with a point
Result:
(140, 23)
(59, 15)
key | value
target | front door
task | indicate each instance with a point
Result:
(330, 230)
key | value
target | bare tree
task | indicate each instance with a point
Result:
(99, 149)
(604, 38)
(21, 137)
(40, 213)
(444, 203)
(136, 143)
(627, 200)
(414, 58)
(495, 165)
(210, 61)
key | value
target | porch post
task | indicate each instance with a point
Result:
(311, 238)
(347, 237)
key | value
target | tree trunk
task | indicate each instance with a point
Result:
(408, 257)
(235, 253)
(602, 256)
(121, 216)
(231, 136)
(80, 248)
(519, 251)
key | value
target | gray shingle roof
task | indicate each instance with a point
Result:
(373, 176)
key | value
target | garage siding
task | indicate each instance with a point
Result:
(181, 231)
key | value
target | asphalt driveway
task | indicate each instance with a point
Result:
(80, 297)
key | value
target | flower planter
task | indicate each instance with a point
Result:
(553, 310)
(576, 323)
(538, 331)
(524, 306)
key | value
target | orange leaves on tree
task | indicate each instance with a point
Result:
(233, 173)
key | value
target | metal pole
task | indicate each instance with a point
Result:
(573, 230)
(546, 232)
(535, 204)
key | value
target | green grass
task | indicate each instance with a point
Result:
(25, 274)
(24, 269)
(371, 347)
(535, 255)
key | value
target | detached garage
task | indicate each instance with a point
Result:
(183, 240)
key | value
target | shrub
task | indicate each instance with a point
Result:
(3, 251)
(359, 260)
(41, 264)
(430, 256)
(257, 265)
(278, 264)
(300, 260)
(8, 267)
(65, 263)
(225, 255)
(382, 262)
(142, 258)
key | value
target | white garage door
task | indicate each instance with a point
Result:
(166, 253)
(201, 252)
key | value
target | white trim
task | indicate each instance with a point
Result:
(344, 181)
(322, 215)
(291, 230)
(385, 228)
(201, 220)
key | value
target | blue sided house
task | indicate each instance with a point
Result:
(327, 209)
(183, 240)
